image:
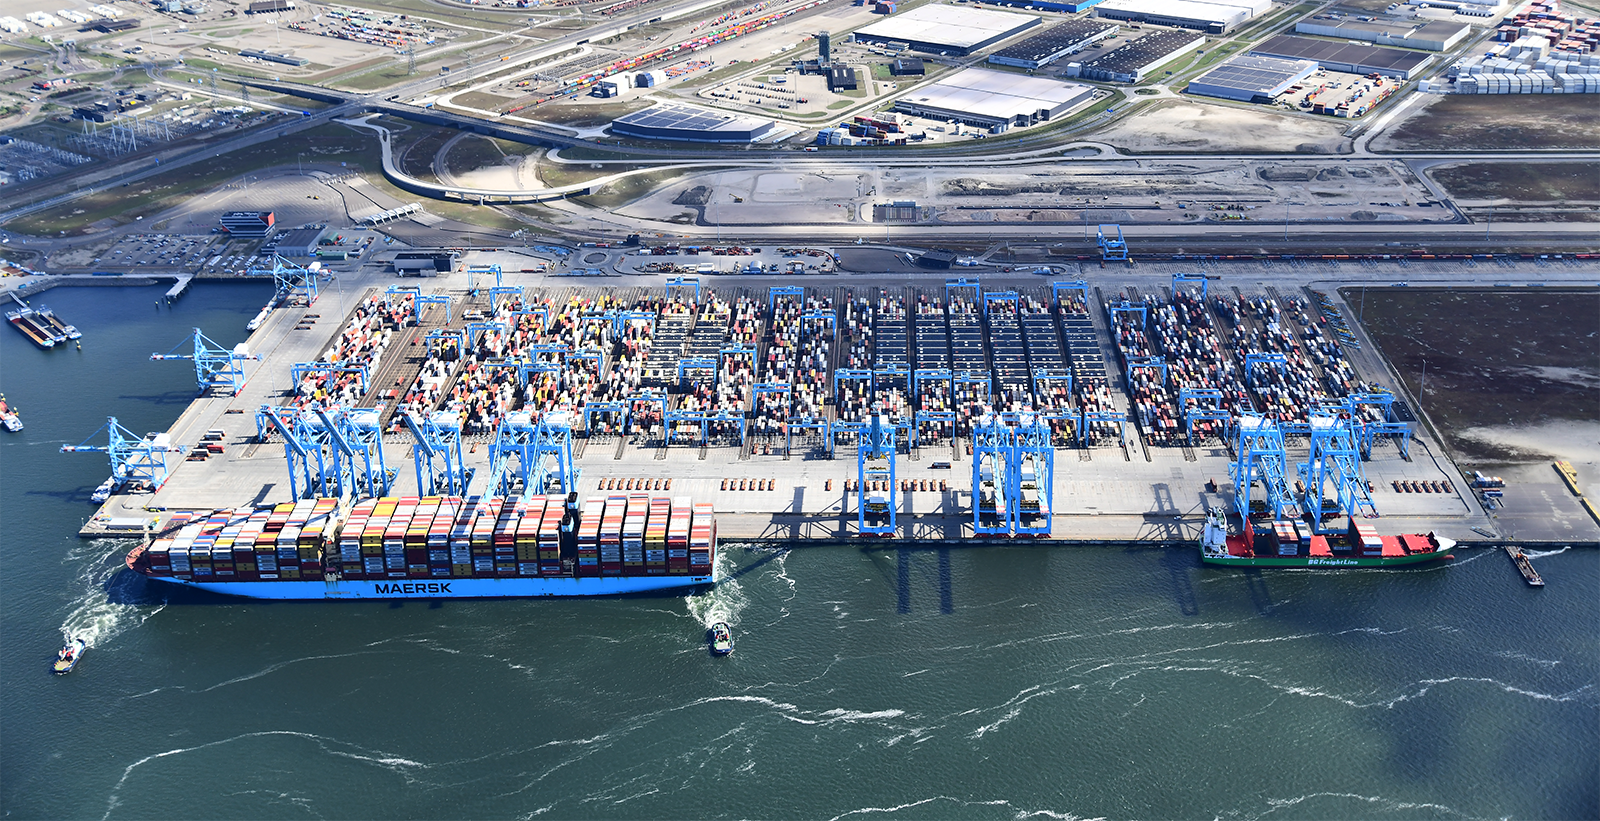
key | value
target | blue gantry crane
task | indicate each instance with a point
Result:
(1031, 476)
(134, 460)
(1259, 457)
(215, 367)
(1334, 461)
(991, 456)
(290, 280)
(1112, 246)
(440, 470)
(875, 462)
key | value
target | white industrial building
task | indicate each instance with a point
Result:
(1210, 16)
(1434, 35)
(12, 25)
(1250, 79)
(1527, 66)
(43, 20)
(941, 29)
(995, 100)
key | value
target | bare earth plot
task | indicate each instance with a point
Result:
(1513, 384)
(1495, 122)
(1521, 181)
(1192, 126)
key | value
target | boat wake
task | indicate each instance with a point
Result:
(93, 617)
(724, 602)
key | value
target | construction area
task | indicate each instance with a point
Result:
(936, 409)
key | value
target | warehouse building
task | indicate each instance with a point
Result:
(1054, 43)
(995, 100)
(1347, 57)
(1252, 79)
(1132, 61)
(252, 224)
(1212, 17)
(1434, 35)
(687, 124)
(300, 242)
(842, 78)
(424, 263)
(939, 29)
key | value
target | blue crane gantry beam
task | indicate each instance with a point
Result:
(289, 280)
(963, 284)
(474, 270)
(1179, 280)
(1206, 405)
(214, 365)
(1368, 430)
(305, 442)
(808, 423)
(355, 433)
(507, 293)
(776, 291)
(675, 284)
(1112, 245)
(1072, 286)
(299, 370)
(132, 459)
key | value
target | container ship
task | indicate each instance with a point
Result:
(1292, 544)
(441, 547)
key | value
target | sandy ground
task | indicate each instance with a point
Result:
(1196, 126)
(1135, 191)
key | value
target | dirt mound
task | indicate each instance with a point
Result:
(696, 196)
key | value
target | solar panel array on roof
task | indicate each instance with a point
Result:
(1129, 62)
(674, 122)
(1053, 43)
(1348, 57)
(1248, 78)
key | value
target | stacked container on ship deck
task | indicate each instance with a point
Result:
(505, 539)
(702, 540)
(611, 535)
(633, 525)
(588, 563)
(530, 514)
(1288, 539)
(461, 537)
(550, 537)
(483, 530)
(1366, 539)
(678, 536)
(655, 536)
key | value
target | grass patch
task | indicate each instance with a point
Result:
(840, 104)
(1524, 181)
(478, 151)
(628, 189)
(583, 116)
(329, 143)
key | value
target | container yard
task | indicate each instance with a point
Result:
(928, 409)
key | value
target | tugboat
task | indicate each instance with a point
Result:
(721, 639)
(68, 657)
(9, 417)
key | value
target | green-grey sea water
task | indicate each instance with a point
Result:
(873, 683)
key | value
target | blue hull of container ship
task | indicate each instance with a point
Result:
(452, 588)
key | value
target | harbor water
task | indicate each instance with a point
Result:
(868, 681)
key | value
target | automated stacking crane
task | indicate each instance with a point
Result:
(133, 460)
(1112, 246)
(215, 367)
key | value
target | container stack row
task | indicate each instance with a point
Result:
(282, 542)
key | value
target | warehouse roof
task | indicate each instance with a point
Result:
(1258, 74)
(948, 25)
(997, 94)
(1305, 48)
(1054, 40)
